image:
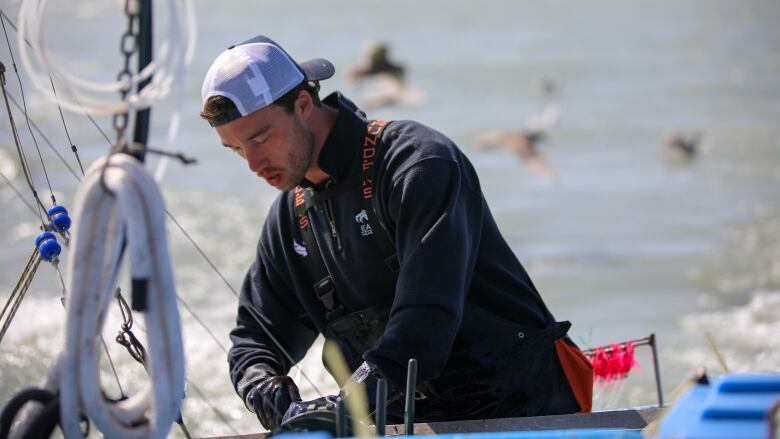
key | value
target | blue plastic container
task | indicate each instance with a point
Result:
(595, 433)
(734, 406)
(590, 433)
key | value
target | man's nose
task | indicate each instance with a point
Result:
(255, 159)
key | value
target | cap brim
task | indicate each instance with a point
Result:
(317, 69)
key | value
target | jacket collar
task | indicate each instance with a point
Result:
(339, 153)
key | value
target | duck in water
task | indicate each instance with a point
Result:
(524, 142)
(681, 147)
(375, 62)
(387, 77)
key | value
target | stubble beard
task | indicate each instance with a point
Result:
(300, 158)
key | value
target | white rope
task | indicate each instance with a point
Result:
(135, 211)
(167, 70)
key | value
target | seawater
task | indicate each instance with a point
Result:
(624, 244)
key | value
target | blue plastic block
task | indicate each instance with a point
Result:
(745, 406)
(593, 433)
(750, 383)
(312, 435)
(734, 406)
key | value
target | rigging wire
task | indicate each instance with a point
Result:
(45, 139)
(216, 270)
(184, 429)
(213, 408)
(56, 266)
(219, 414)
(64, 125)
(113, 368)
(25, 279)
(78, 106)
(180, 156)
(170, 216)
(252, 311)
(202, 324)
(175, 53)
(62, 281)
(18, 193)
(182, 301)
(19, 291)
(19, 149)
(26, 115)
(81, 107)
(137, 352)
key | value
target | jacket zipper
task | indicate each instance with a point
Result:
(334, 234)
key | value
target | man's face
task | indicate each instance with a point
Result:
(274, 143)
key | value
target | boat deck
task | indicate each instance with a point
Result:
(629, 419)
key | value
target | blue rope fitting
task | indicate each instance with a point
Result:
(47, 246)
(59, 218)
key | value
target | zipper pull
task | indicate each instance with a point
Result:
(335, 234)
(332, 222)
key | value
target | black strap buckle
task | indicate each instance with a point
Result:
(325, 292)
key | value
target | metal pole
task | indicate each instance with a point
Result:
(411, 387)
(651, 342)
(341, 419)
(142, 117)
(637, 342)
(381, 406)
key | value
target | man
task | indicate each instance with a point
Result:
(382, 241)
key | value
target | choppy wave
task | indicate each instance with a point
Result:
(746, 335)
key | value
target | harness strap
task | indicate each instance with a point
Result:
(382, 238)
(305, 200)
(323, 286)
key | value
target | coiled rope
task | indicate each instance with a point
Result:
(174, 54)
(181, 32)
(135, 209)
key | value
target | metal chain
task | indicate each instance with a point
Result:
(128, 45)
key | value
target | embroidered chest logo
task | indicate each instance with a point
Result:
(365, 226)
(299, 248)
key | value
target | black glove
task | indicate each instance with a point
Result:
(366, 374)
(326, 403)
(271, 397)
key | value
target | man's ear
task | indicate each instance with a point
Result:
(303, 104)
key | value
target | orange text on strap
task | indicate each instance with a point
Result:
(373, 133)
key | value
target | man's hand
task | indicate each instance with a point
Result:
(271, 397)
(367, 374)
(324, 403)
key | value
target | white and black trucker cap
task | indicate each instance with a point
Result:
(255, 73)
